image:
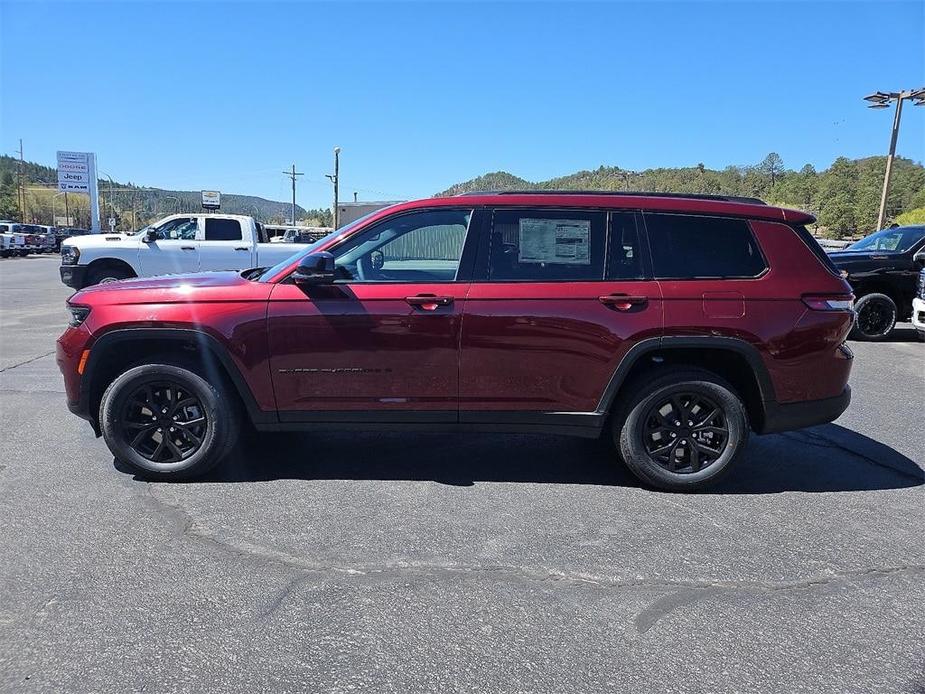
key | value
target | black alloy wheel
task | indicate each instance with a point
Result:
(685, 432)
(163, 422)
(876, 317)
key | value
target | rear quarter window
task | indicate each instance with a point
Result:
(693, 247)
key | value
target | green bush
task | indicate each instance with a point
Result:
(916, 216)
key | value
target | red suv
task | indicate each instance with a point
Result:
(673, 323)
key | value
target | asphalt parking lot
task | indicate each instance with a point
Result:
(406, 563)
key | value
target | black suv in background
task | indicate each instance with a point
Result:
(883, 271)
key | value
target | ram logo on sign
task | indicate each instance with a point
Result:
(211, 199)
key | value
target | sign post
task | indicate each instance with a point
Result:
(77, 174)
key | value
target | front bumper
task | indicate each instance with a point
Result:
(797, 415)
(74, 275)
(918, 314)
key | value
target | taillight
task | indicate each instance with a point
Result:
(829, 302)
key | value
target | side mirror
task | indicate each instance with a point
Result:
(919, 259)
(315, 268)
(150, 236)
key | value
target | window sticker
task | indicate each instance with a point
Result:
(559, 241)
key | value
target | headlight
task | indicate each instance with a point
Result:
(70, 255)
(77, 315)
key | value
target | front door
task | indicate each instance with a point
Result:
(556, 309)
(176, 249)
(381, 343)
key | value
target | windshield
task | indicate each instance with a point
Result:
(315, 246)
(896, 240)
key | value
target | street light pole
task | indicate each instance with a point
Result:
(882, 100)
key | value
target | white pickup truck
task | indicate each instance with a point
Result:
(175, 244)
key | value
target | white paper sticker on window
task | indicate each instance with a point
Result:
(561, 241)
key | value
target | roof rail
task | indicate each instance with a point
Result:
(630, 193)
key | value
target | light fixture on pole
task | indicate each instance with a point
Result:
(882, 100)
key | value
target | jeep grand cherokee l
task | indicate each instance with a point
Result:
(672, 324)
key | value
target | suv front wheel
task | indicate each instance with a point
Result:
(167, 422)
(681, 431)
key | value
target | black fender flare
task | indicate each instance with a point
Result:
(207, 345)
(654, 344)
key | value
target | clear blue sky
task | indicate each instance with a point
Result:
(420, 96)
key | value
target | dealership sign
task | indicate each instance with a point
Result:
(74, 172)
(211, 199)
(77, 174)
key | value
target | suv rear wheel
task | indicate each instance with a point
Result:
(875, 317)
(682, 431)
(167, 422)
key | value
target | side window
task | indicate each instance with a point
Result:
(423, 246)
(546, 245)
(687, 247)
(625, 257)
(222, 229)
(182, 229)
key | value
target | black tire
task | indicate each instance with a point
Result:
(132, 402)
(650, 422)
(875, 317)
(108, 273)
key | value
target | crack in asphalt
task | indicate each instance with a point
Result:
(27, 361)
(692, 590)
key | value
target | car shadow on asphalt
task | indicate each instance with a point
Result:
(901, 333)
(826, 458)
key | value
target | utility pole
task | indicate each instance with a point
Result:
(22, 191)
(292, 174)
(335, 179)
(882, 100)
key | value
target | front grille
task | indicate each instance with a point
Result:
(922, 284)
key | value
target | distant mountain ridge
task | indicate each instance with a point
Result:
(845, 197)
(151, 202)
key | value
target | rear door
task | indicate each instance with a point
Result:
(225, 245)
(562, 296)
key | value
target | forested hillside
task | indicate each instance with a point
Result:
(133, 206)
(844, 197)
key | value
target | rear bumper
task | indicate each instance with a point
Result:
(798, 415)
(74, 275)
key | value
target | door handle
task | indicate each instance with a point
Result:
(242, 248)
(429, 302)
(623, 302)
(187, 248)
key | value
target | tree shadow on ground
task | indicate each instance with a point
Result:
(826, 458)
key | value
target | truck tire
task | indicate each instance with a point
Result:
(875, 317)
(681, 431)
(167, 422)
(108, 273)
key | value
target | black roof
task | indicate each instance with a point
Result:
(628, 193)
